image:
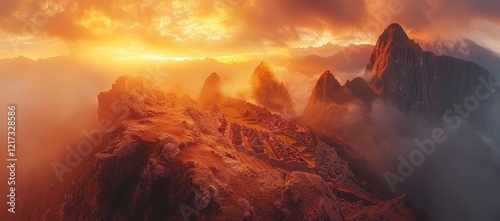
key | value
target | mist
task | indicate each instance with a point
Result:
(56, 101)
(458, 181)
(56, 98)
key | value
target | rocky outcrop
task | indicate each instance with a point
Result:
(140, 171)
(307, 197)
(268, 92)
(129, 97)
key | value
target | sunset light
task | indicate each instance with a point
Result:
(222, 110)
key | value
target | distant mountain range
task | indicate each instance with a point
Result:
(470, 51)
(352, 59)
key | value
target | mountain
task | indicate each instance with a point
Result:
(421, 83)
(328, 90)
(360, 89)
(269, 92)
(211, 90)
(159, 157)
(468, 50)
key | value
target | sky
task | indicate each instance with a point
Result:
(228, 30)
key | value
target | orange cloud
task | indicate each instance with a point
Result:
(223, 27)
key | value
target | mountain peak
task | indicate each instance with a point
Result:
(264, 71)
(395, 31)
(327, 73)
(269, 92)
(395, 27)
(211, 88)
(393, 45)
(214, 76)
(394, 35)
(326, 91)
(328, 80)
(264, 66)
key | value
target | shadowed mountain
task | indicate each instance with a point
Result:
(329, 91)
(470, 51)
(421, 83)
(211, 90)
(360, 89)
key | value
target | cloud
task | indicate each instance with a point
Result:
(447, 18)
(225, 27)
(279, 22)
(299, 86)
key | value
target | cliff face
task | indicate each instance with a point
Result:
(268, 92)
(398, 72)
(420, 83)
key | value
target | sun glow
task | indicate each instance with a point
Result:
(160, 57)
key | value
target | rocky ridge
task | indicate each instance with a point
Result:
(163, 159)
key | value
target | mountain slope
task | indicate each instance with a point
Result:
(470, 51)
(158, 157)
